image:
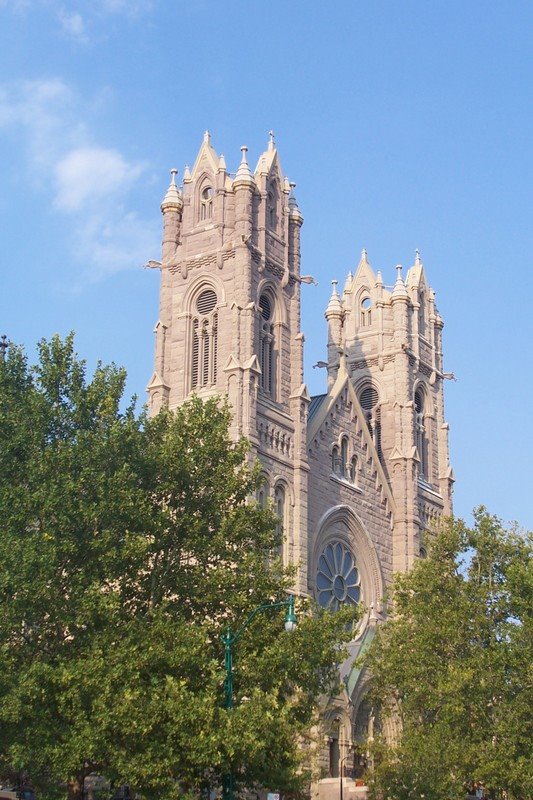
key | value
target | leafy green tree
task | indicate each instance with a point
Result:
(453, 668)
(128, 545)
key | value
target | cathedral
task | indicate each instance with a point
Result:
(356, 475)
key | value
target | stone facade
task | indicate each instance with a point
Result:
(358, 474)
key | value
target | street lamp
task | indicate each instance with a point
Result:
(228, 639)
(341, 771)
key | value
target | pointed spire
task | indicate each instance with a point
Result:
(222, 164)
(334, 306)
(244, 177)
(399, 292)
(292, 198)
(349, 281)
(172, 199)
(379, 279)
(294, 211)
(364, 259)
(187, 174)
(271, 141)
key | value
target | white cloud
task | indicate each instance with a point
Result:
(115, 241)
(44, 111)
(86, 174)
(92, 183)
(73, 25)
(83, 17)
(130, 7)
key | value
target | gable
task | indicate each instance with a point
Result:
(339, 413)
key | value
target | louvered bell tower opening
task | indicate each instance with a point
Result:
(204, 341)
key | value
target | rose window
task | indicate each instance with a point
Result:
(337, 579)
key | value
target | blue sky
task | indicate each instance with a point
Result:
(404, 125)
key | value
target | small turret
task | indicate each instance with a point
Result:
(294, 211)
(172, 199)
(334, 314)
(334, 308)
(171, 207)
(244, 175)
(348, 284)
(399, 292)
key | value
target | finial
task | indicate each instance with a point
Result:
(172, 199)
(243, 173)
(4, 344)
(207, 136)
(221, 164)
(364, 254)
(292, 199)
(349, 281)
(271, 143)
(334, 308)
(399, 290)
(417, 256)
(187, 174)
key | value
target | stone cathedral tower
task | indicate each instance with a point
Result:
(357, 475)
(230, 318)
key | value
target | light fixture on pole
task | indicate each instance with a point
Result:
(228, 639)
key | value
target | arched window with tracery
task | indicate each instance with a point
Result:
(204, 340)
(421, 441)
(365, 311)
(337, 579)
(369, 400)
(266, 343)
(206, 203)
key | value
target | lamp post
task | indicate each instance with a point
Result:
(341, 770)
(228, 639)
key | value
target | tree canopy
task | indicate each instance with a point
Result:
(453, 668)
(127, 546)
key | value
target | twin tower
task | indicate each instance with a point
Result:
(358, 474)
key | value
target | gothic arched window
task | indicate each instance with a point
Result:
(422, 314)
(204, 340)
(263, 492)
(206, 203)
(335, 462)
(344, 457)
(280, 509)
(366, 311)
(421, 441)
(272, 207)
(369, 400)
(266, 343)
